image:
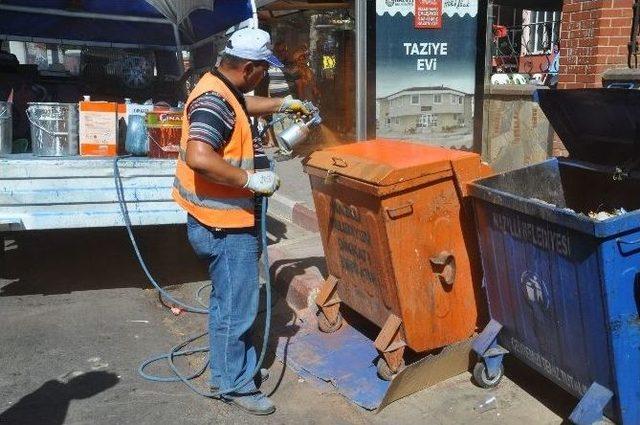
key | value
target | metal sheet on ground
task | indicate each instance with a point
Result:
(345, 359)
(451, 361)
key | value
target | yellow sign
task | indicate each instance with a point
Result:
(328, 62)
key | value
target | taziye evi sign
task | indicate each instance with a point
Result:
(425, 70)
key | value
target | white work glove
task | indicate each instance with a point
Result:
(262, 182)
(293, 106)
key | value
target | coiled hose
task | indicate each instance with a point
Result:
(178, 350)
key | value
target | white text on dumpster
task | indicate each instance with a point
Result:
(540, 236)
(546, 366)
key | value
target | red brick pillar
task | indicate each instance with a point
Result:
(593, 38)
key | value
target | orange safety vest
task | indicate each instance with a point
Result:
(213, 204)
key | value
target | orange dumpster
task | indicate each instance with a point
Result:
(399, 241)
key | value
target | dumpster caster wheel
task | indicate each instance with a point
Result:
(384, 371)
(482, 379)
(327, 327)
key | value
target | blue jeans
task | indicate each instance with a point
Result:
(232, 256)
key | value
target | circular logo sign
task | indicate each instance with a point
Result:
(535, 290)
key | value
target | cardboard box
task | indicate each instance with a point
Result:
(98, 128)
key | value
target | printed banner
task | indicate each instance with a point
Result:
(428, 14)
(425, 70)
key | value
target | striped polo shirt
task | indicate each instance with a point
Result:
(211, 121)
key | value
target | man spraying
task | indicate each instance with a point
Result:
(217, 183)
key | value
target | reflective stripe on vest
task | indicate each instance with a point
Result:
(213, 204)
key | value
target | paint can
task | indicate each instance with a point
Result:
(165, 130)
(6, 128)
(54, 128)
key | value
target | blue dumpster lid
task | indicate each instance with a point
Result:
(601, 126)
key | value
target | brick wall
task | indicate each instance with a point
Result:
(593, 38)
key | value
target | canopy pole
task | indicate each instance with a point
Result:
(254, 15)
(176, 35)
(361, 70)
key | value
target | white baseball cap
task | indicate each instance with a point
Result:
(252, 44)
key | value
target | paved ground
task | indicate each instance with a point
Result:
(77, 319)
(77, 324)
(295, 183)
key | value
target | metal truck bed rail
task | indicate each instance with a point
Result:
(63, 193)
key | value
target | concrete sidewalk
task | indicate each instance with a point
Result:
(297, 262)
(296, 256)
(294, 202)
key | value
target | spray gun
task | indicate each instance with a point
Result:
(299, 130)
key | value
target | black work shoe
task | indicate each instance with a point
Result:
(254, 403)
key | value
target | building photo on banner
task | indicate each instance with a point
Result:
(425, 70)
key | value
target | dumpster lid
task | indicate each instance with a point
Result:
(601, 126)
(385, 162)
